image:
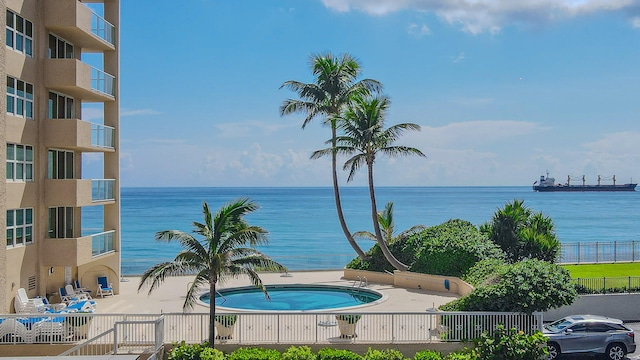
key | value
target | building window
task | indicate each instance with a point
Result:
(19, 162)
(19, 98)
(60, 222)
(19, 227)
(19, 33)
(59, 48)
(61, 106)
(60, 164)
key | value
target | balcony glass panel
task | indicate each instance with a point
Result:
(102, 136)
(102, 28)
(102, 82)
(102, 190)
(102, 243)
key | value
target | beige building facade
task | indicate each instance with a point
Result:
(59, 73)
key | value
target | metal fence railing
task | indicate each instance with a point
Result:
(599, 252)
(141, 330)
(608, 285)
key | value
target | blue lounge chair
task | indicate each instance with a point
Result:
(104, 286)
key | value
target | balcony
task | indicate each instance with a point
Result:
(77, 251)
(75, 134)
(79, 80)
(79, 192)
(76, 23)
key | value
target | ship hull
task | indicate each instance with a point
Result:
(581, 188)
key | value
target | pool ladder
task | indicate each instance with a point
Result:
(362, 282)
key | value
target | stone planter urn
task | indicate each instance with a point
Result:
(347, 325)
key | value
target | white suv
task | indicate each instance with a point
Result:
(589, 334)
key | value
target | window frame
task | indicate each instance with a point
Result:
(60, 222)
(54, 102)
(67, 170)
(24, 227)
(19, 31)
(20, 161)
(63, 48)
(20, 98)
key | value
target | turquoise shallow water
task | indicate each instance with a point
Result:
(304, 230)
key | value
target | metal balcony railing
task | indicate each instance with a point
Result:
(102, 136)
(102, 28)
(102, 189)
(102, 243)
(102, 82)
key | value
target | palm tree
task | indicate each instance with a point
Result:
(388, 227)
(227, 250)
(364, 137)
(335, 84)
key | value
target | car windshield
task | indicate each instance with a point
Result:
(558, 325)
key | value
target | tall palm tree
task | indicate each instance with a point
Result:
(388, 227)
(364, 138)
(226, 250)
(335, 84)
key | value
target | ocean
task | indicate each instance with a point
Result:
(304, 232)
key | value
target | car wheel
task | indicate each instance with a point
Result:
(615, 351)
(554, 351)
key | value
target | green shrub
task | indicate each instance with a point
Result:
(211, 354)
(388, 354)
(337, 354)
(452, 248)
(511, 345)
(186, 351)
(428, 355)
(483, 272)
(254, 353)
(461, 355)
(299, 353)
(526, 286)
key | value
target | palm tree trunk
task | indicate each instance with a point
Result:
(376, 225)
(336, 195)
(212, 313)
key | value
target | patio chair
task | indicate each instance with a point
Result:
(49, 329)
(104, 286)
(73, 293)
(81, 289)
(24, 305)
(53, 307)
(12, 330)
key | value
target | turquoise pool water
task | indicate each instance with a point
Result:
(293, 297)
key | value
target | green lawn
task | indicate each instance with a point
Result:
(603, 270)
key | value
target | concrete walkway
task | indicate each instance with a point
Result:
(169, 297)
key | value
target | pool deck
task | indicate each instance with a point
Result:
(169, 297)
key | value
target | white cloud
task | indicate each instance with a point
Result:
(136, 112)
(418, 30)
(458, 58)
(635, 22)
(479, 16)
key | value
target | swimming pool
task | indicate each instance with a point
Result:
(294, 297)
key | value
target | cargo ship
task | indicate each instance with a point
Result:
(547, 184)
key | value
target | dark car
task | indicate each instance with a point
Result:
(583, 334)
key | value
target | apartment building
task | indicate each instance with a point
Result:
(60, 67)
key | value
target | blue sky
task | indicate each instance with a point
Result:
(503, 90)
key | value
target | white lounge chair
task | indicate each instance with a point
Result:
(104, 286)
(24, 305)
(80, 289)
(74, 294)
(12, 330)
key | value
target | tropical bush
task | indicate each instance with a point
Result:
(299, 353)
(195, 352)
(254, 353)
(388, 354)
(482, 272)
(527, 286)
(337, 354)
(428, 355)
(511, 345)
(209, 353)
(452, 248)
(461, 355)
(523, 233)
